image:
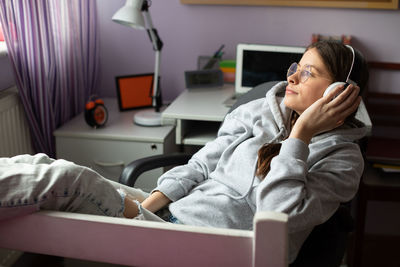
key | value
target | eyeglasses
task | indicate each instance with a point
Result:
(305, 72)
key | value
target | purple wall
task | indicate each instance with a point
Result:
(192, 30)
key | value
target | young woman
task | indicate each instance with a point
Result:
(293, 151)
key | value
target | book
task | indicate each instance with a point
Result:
(344, 39)
(387, 167)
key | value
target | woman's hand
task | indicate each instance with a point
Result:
(155, 201)
(326, 113)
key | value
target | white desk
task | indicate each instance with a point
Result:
(107, 150)
(198, 114)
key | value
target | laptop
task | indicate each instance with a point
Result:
(256, 64)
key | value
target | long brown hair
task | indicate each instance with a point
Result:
(268, 151)
(337, 58)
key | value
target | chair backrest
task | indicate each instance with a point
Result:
(327, 243)
(257, 92)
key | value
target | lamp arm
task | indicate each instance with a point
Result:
(157, 46)
(153, 34)
(156, 101)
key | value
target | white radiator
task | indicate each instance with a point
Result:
(15, 138)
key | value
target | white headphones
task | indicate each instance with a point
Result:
(348, 80)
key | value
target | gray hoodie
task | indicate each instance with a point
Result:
(308, 182)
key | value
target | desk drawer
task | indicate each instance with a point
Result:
(109, 157)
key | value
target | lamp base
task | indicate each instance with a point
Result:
(147, 118)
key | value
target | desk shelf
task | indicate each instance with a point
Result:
(198, 114)
(199, 132)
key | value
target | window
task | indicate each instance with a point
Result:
(1, 34)
(3, 47)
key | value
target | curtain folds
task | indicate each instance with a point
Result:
(53, 48)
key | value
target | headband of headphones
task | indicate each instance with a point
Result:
(348, 80)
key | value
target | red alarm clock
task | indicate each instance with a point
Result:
(96, 113)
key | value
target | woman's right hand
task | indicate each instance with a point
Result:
(326, 113)
(155, 201)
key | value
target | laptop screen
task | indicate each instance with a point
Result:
(256, 64)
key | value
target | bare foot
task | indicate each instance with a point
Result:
(131, 207)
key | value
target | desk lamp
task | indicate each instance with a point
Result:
(134, 14)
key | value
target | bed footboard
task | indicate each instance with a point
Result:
(143, 243)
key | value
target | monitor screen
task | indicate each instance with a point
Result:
(256, 64)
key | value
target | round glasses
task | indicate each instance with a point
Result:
(305, 72)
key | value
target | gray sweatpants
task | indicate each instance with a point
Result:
(31, 183)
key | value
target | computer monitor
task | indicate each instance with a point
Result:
(257, 63)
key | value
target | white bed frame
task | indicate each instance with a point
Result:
(144, 243)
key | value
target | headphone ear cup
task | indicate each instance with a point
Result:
(331, 87)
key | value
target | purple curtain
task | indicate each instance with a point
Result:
(53, 48)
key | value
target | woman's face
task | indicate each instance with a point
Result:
(301, 94)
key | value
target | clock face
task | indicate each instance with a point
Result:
(100, 115)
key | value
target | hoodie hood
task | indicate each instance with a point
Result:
(278, 110)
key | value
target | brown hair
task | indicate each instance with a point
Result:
(268, 151)
(337, 59)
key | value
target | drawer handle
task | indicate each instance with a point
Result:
(109, 164)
